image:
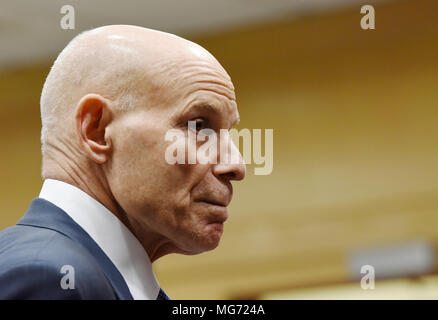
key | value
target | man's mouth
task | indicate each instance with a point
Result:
(219, 210)
(215, 202)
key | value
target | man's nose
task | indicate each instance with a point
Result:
(231, 165)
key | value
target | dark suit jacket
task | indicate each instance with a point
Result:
(33, 252)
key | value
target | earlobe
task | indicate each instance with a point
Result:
(93, 116)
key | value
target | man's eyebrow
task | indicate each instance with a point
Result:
(209, 108)
(202, 106)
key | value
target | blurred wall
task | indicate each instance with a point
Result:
(354, 115)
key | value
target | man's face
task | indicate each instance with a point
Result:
(185, 204)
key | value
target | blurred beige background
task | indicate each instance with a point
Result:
(354, 114)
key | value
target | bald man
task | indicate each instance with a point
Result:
(110, 204)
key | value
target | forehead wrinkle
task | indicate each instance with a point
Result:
(202, 67)
(212, 90)
(208, 83)
(204, 74)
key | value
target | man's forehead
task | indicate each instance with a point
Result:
(190, 78)
(189, 74)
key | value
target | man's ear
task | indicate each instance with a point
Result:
(93, 115)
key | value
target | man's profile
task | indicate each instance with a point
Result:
(110, 204)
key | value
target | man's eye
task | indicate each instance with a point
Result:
(199, 124)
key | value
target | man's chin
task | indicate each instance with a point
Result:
(213, 236)
(207, 243)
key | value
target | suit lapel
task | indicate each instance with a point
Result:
(45, 214)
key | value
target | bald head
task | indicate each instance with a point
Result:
(108, 103)
(126, 64)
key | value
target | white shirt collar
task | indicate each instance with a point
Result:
(111, 235)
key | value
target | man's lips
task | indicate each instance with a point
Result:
(215, 202)
(220, 210)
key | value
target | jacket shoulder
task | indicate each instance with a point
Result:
(40, 263)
